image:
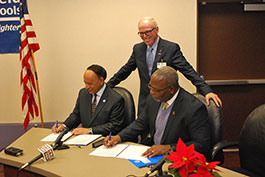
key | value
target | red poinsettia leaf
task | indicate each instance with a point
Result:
(173, 153)
(191, 150)
(199, 175)
(178, 164)
(200, 157)
(181, 148)
(203, 172)
(173, 156)
(183, 172)
(212, 165)
(191, 165)
(187, 162)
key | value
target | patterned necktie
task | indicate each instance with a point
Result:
(94, 104)
(150, 60)
(165, 104)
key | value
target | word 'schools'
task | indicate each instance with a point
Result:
(9, 26)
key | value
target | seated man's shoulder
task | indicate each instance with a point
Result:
(191, 100)
(83, 91)
(115, 95)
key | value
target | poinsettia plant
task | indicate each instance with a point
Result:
(186, 162)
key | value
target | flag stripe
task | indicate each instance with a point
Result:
(27, 80)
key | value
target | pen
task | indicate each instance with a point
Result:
(109, 136)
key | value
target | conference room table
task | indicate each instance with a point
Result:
(72, 162)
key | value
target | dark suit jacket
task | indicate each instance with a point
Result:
(167, 51)
(188, 120)
(108, 116)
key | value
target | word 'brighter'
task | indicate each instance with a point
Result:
(7, 27)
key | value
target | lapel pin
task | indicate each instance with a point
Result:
(173, 113)
(104, 101)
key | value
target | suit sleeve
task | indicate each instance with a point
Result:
(199, 129)
(74, 118)
(180, 63)
(138, 126)
(124, 71)
(114, 124)
(133, 130)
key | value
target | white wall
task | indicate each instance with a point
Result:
(76, 34)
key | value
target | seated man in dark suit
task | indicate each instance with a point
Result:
(98, 108)
(170, 113)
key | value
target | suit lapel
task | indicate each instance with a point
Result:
(143, 50)
(89, 104)
(100, 105)
(159, 52)
(153, 115)
(173, 115)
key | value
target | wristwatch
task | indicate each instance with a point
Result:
(90, 131)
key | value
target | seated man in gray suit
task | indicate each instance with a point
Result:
(170, 113)
(98, 108)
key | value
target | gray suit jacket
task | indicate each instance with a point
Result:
(167, 51)
(188, 120)
(108, 116)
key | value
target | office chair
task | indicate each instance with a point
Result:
(129, 108)
(251, 144)
(215, 115)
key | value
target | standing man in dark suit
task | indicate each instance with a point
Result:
(170, 113)
(98, 108)
(155, 52)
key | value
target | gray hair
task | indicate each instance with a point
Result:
(153, 21)
(168, 73)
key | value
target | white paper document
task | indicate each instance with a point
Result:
(109, 152)
(133, 152)
(52, 137)
(124, 151)
(82, 139)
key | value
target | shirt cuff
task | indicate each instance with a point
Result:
(90, 131)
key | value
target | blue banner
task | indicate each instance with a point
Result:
(9, 26)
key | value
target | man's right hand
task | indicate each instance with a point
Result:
(113, 141)
(57, 130)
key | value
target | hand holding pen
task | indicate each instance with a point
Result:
(57, 128)
(110, 141)
(109, 136)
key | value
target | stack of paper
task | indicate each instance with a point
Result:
(134, 152)
(109, 152)
(82, 140)
(53, 136)
(126, 151)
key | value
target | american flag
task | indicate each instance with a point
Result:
(28, 82)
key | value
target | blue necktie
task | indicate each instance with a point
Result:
(150, 60)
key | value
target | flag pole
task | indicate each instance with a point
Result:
(38, 90)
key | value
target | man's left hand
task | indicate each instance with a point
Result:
(156, 150)
(215, 98)
(80, 131)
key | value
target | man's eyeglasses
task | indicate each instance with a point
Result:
(146, 32)
(157, 90)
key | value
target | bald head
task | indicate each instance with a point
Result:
(167, 73)
(148, 30)
(147, 20)
(163, 84)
